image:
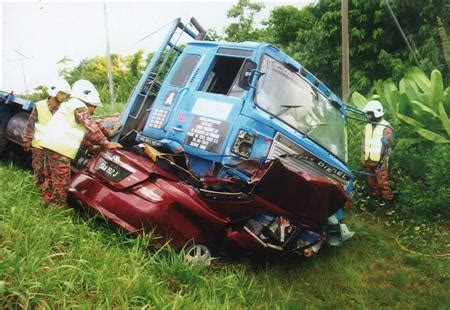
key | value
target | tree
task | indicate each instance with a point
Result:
(126, 73)
(312, 36)
(284, 24)
(244, 11)
(65, 66)
(377, 50)
(40, 93)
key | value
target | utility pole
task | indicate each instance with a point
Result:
(345, 53)
(108, 58)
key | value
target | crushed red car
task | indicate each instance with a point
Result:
(278, 210)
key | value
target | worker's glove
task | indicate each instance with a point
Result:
(385, 141)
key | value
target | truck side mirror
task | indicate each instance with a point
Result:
(246, 74)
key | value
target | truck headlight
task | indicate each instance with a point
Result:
(243, 144)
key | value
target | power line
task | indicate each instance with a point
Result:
(345, 52)
(154, 32)
(402, 33)
(21, 59)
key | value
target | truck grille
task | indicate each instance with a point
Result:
(304, 161)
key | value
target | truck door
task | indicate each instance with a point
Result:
(205, 118)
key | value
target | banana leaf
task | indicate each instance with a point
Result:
(447, 100)
(410, 88)
(390, 85)
(388, 88)
(436, 91)
(407, 142)
(358, 100)
(425, 133)
(426, 116)
(419, 77)
(444, 118)
(410, 121)
(378, 86)
(432, 136)
(423, 109)
(402, 104)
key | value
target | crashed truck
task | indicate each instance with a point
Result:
(229, 148)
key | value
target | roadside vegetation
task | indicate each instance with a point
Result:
(58, 258)
(399, 256)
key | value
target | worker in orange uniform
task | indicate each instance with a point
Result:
(377, 145)
(63, 137)
(39, 118)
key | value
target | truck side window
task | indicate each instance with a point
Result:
(184, 70)
(223, 76)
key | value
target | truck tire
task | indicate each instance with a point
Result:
(3, 139)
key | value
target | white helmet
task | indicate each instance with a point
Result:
(375, 107)
(86, 91)
(58, 85)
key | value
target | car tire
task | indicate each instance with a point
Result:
(3, 139)
(197, 254)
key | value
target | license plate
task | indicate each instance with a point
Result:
(111, 170)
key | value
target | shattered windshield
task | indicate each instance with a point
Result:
(287, 96)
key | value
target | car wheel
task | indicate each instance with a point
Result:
(3, 139)
(198, 253)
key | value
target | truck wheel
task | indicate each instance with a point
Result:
(3, 140)
(197, 254)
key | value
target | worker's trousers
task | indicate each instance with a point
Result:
(37, 162)
(56, 178)
(378, 181)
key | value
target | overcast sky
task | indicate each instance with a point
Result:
(45, 32)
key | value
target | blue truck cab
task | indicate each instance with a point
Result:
(223, 103)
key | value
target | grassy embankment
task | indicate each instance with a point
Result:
(57, 258)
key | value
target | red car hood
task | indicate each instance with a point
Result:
(312, 199)
(136, 168)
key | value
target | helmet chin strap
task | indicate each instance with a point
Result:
(377, 119)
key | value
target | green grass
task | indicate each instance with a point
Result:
(60, 258)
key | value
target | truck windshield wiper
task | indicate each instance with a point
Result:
(314, 126)
(288, 108)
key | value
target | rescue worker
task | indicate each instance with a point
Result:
(39, 118)
(377, 144)
(63, 137)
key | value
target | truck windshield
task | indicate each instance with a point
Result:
(289, 97)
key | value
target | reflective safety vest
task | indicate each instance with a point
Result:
(43, 118)
(372, 140)
(63, 134)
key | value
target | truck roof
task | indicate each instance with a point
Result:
(280, 56)
(247, 44)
